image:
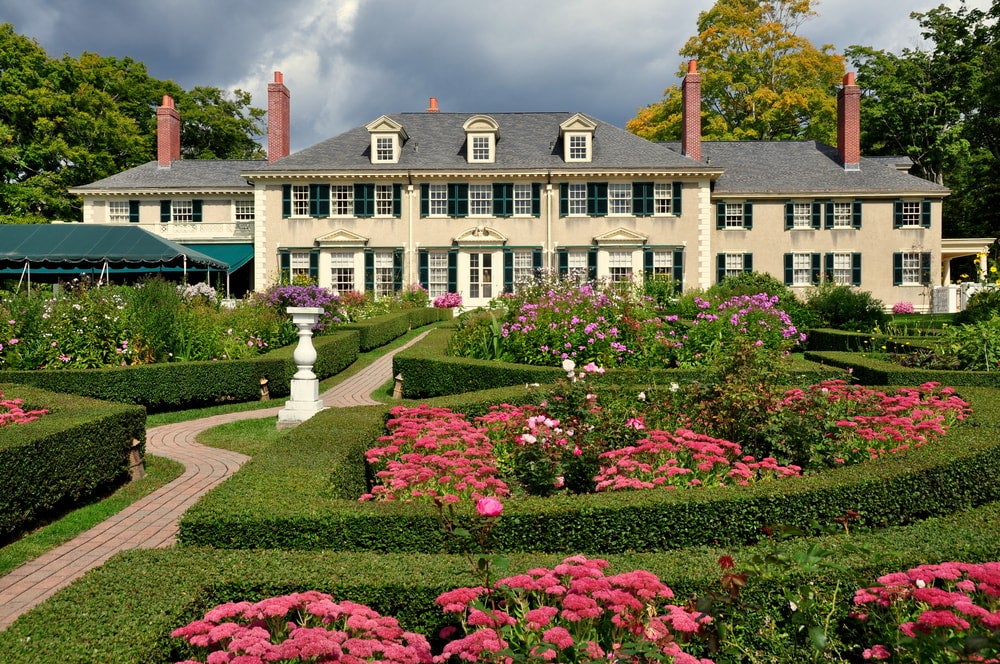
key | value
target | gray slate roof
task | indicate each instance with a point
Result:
(526, 141)
(182, 174)
(804, 167)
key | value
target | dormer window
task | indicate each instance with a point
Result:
(481, 133)
(578, 138)
(387, 138)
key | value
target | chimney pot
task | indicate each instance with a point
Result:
(433, 106)
(278, 119)
(691, 112)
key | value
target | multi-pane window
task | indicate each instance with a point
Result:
(437, 273)
(384, 148)
(342, 271)
(383, 200)
(620, 198)
(243, 210)
(663, 198)
(438, 199)
(480, 200)
(384, 274)
(342, 200)
(911, 213)
(577, 197)
(300, 200)
(118, 212)
(801, 269)
(911, 268)
(298, 265)
(578, 147)
(842, 269)
(733, 265)
(802, 215)
(522, 200)
(619, 265)
(843, 216)
(181, 210)
(577, 261)
(480, 275)
(734, 215)
(524, 269)
(663, 263)
(480, 148)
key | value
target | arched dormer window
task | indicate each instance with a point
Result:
(387, 137)
(577, 135)
(481, 134)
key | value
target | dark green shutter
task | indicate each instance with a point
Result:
(364, 200)
(675, 201)
(856, 269)
(720, 215)
(319, 200)
(397, 200)
(369, 270)
(133, 212)
(897, 214)
(285, 266)
(423, 268)
(536, 199)
(925, 268)
(508, 270)
(563, 199)
(453, 270)
(789, 215)
(458, 200)
(817, 269)
(425, 200)
(925, 213)
(536, 262)
(503, 199)
(642, 199)
(856, 214)
(196, 210)
(817, 212)
(828, 217)
(748, 262)
(314, 264)
(164, 211)
(897, 269)
(597, 199)
(678, 270)
(562, 259)
(828, 267)
(286, 201)
(647, 263)
(397, 270)
(789, 269)
(748, 215)
(720, 267)
(592, 263)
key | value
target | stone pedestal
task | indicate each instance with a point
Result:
(304, 401)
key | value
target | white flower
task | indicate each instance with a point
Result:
(920, 583)
(642, 396)
(793, 606)
(674, 387)
(568, 365)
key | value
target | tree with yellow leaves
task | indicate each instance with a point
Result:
(760, 80)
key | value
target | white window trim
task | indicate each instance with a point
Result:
(376, 158)
(491, 148)
(588, 146)
(118, 217)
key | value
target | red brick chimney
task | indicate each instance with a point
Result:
(691, 112)
(278, 115)
(168, 133)
(432, 106)
(849, 124)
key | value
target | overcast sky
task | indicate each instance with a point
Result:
(346, 62)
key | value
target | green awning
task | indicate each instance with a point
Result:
(236, 255)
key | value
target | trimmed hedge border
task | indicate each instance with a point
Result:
(840, 340)
(78, 450)
(182, 385)
(124, 611)
(255, 509)
(871, 371)
(429, 372)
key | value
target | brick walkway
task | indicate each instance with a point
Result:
(152, 522)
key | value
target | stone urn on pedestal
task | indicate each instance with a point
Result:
(304, 401)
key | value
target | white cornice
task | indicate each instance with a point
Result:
(124, 191)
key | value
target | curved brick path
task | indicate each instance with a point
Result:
(152, 521)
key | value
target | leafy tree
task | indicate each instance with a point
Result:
(69, 121)
(760, 80)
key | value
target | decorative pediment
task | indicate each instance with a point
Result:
(386, 125)
(481, 235)
(342, 237)
(481, 124)
(578, 122)
(620, 237)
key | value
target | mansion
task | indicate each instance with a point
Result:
(475, 203)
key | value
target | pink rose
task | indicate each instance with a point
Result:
(489, 507)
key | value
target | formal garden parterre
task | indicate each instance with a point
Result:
(764, 569)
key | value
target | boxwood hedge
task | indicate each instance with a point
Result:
(78, 450)
(874, 371)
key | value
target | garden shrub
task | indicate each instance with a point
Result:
(80, 449)
(845, 307)
(982, 306)
(754, 283)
